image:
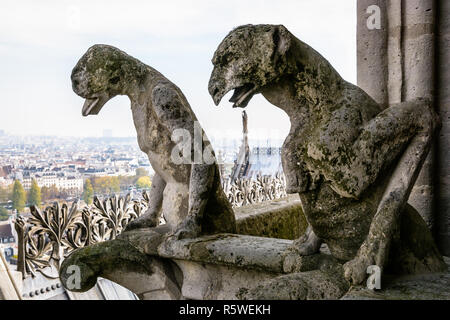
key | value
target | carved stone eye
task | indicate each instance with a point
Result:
(114, 80)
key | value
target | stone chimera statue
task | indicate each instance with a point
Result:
(352, 161)
(188, 195)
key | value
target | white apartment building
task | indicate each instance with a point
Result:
(48, 179)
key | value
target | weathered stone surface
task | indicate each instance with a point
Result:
(396, 63)
(412, 251)
(10, 282)
(232, 267)
(146, 240)
(394, 53)
(418, 44)
(120, 262)
(294, 262)
(266, 254)
(443, 151)
(352, 161)
(283, 219)
(311, 285)
(151, 264)
(215, 281)
(237, 250)
(188, 195)
(412, 287)
(372, 44)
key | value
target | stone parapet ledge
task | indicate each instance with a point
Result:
(221, 266)
(249, 252)
(282, 218)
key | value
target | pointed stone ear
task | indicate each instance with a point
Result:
(281, 39)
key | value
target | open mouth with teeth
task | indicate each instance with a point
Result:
(89, 106)
(94, 104)
(242, 95)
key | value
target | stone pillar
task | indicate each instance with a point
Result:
(443, 147)
(372, 72)
(394, 53)
(396, 64)
(418, 81)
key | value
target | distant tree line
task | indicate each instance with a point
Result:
(110, 185)
(35, 196)
(19, 197)
(92, 186)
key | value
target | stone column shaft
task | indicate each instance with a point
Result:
(396, 63)
(372, 72)
(442, 180)
(418, 81)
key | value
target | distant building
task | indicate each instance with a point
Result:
(95, 172)
(8, 253)
(48, 179)
(265, 161)
(6, 234)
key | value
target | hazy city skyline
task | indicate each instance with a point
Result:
(42, 41)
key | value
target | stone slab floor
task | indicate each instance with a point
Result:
(417, 287)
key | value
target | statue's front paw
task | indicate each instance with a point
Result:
(187, 230)
(355, 271)
(148, 220)
(306, 246)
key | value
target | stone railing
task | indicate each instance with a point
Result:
(242, 192)
(50, 235)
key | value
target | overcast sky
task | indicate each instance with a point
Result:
(41, 41)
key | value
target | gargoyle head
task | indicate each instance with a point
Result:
(102, 73)
(249, 57)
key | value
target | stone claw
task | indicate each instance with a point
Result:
(308, 244)
(355, 271)
(147, 220)
(306, 249)
(187, 230)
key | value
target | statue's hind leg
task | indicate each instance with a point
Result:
(380, 143)
(175, 204)
(375, 249)
(151, 217)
